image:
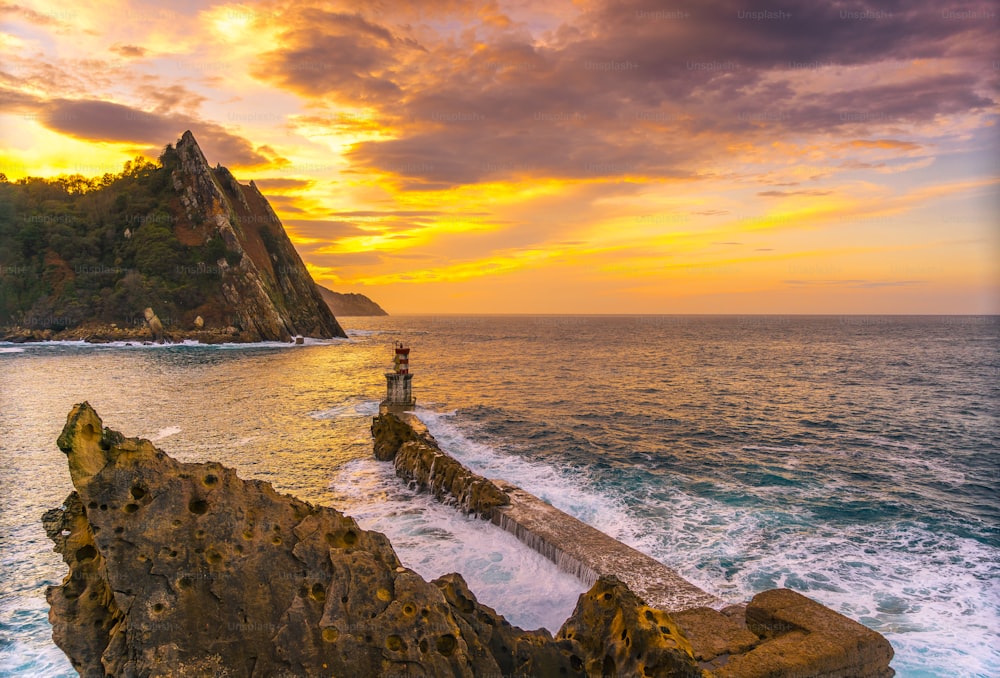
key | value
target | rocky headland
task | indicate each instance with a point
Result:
(350, 303)
(185, 569)
(205, 254)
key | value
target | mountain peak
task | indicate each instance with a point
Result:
(207, 253)
(268, 292)
(190, 153)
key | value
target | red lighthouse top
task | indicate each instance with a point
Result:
(401, 362)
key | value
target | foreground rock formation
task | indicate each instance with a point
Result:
(180, 569)
(184, 569)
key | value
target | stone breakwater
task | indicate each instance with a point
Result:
(779, 633)
(576, 547)
(403, 439)
(589, 553)
(185, 569)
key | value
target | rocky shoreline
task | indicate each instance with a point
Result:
(185, 569)
(106, 334)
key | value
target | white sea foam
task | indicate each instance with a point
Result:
(434, 539)
(881, 441)
(773, 448)
(11, 349)
(923, 590)
(899, 581)
(26, 659)
(307, 341)
(56, 344)
(566, 489)
(21, 654)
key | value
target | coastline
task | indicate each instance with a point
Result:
(153, 562)
(108, 335)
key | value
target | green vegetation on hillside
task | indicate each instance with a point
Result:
(76, 250)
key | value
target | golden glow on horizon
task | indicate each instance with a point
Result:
(42, 153)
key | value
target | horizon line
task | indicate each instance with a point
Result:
(692, 315)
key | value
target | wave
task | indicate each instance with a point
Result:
(165, 433)
(773, 448)
(922, 588)
(567, 489)
(434, 539)
(26, 647)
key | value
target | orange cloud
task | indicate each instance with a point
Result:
(446, 146)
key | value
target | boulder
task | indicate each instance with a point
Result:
(805, 638)
(154, 324)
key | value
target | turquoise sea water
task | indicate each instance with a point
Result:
(854, 459)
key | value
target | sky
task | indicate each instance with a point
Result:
(607, 156)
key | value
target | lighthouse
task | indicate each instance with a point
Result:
(399, 382)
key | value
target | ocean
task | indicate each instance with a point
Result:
(852, 458)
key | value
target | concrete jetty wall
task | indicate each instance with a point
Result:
(577, 548)
(588, 553)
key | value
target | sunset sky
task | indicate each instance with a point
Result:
(557, 157)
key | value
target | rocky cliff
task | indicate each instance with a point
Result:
(184, 569)
(83, 258)
(267, 289)
(350, 303)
